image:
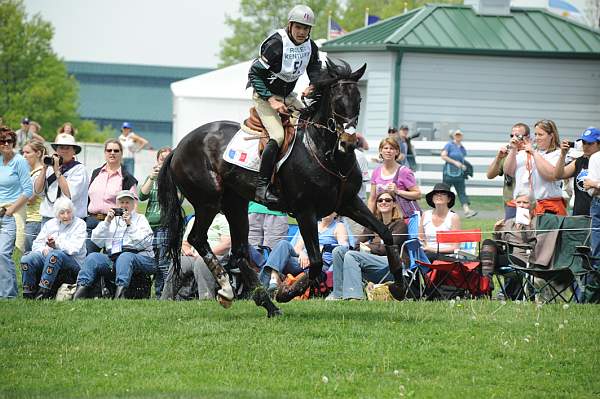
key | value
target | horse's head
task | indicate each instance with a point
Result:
(340, 101)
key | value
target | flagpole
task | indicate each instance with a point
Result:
(329, 26)
(367, 16)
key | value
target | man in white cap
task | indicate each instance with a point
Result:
(62, 175)
(284, 57)
(126, 237)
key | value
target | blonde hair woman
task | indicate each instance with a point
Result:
(33, 152)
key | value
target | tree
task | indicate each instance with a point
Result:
(259, 17)
(33, 81)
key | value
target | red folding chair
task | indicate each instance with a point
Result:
(456, 274)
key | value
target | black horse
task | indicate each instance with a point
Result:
(319, 177)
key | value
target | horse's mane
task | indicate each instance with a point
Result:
(334, 70)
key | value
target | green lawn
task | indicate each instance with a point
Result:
(149, 349)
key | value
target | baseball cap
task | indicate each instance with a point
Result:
(126, 194)
(126, 125)
(25, 121)
(404, 127)
(590, 135)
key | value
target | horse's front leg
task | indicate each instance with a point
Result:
(307, 223)
(360, 213)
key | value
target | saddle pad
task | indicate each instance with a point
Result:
(242, 151)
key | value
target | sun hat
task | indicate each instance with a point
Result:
(590, 135)
(66, 139)
(440, 188)
(126, 194)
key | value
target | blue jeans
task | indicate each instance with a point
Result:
(349, 269)
(32, 229)
(90, 224)
(595, 239)
(459, 185)
(283, 259)
(8, 273)
(128, 165)
(41, 270)
(161, 246)
(100, 264)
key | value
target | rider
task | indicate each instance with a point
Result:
(284, 57)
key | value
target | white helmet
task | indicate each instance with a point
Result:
(303, 15)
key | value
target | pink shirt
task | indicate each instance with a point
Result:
(103, 190)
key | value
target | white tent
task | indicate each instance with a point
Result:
(214, 96)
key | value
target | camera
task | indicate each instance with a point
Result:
(519, 137)
(49, 160)
(571, 144)
(118, 211)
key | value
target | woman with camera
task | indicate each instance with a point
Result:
(578, 168)
(15, 189)
(33, 152)
(149, 191)
(532, 167)
(126, 237)
(105, 182)
(60, 245)
(63, 175)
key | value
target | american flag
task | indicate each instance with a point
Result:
(335, 30)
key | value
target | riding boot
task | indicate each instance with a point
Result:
(263, 194)
(81, 292)
(43, 293)
(120, 292)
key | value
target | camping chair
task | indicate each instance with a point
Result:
(552, 277)
(458, 274)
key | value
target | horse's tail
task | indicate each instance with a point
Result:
(171, 212)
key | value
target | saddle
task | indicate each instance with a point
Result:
(253, 125)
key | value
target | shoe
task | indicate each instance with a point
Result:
(81, 292)
(470, 214)
(332, 297)
(264, 194)
(43, 293)
(120, 292)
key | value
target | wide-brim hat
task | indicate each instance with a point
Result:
(66, 139)
(440, 188)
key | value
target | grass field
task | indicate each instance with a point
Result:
(155, 349)
(150, 349)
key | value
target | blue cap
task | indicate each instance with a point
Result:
(590, 135)
(126, 125)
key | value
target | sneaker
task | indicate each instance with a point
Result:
(470, 214)
(332, 297)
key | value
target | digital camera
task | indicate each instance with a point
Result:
(49, 160)
(118, 211)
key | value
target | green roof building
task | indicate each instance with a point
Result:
(440, 67)
(111, 94)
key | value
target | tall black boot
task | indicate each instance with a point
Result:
(120, 292)
(263, 194)
(81, 292)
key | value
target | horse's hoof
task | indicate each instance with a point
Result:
(275, 313)
(226, 303)
(287, 293)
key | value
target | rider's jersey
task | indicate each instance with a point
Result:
(280, 63)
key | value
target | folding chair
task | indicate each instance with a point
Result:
(458, 274)
(550, 279)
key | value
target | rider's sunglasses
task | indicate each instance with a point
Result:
(116, 151)
(384, 200)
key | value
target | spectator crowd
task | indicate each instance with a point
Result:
(84, 231)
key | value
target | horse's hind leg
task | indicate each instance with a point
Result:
(236, 212)
(199, 239)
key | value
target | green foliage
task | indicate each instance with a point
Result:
(259, 18)
(34, 82)
(163, 349)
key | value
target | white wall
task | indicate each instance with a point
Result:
(485, 96)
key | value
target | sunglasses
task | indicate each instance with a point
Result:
(384, 200)
(7, 141)
(112, 150)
